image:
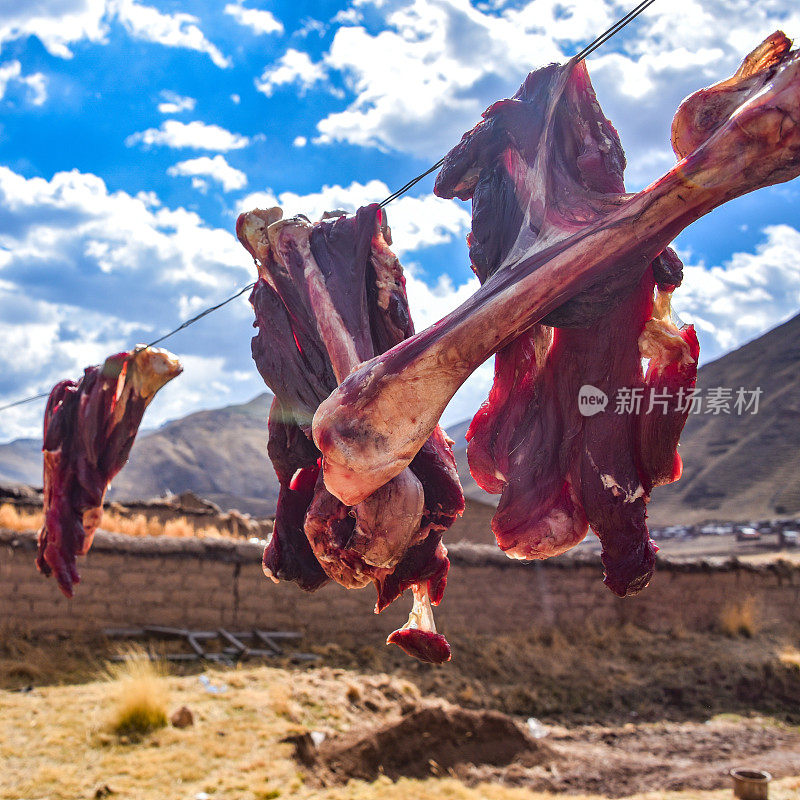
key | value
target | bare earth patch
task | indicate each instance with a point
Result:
(55, 744)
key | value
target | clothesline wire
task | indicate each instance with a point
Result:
(195, 318)
(160, 339)
(590, 48)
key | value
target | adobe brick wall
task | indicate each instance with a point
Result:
(208, 583)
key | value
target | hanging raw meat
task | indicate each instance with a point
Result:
(558, 242)
(539, 167)
(330, 296)
(89, 428)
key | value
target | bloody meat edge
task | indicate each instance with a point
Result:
(537, 168)
(89, 429)
(743, 134)
(329, 296)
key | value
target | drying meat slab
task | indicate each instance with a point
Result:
(548, 259)
(329, 296)
(539, 167)
(89, 429)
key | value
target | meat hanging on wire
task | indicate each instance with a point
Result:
(89, 429)
(329, 296)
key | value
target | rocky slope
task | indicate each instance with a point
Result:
(738, 466)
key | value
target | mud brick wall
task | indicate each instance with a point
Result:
(203, 584)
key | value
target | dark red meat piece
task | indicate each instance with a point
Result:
(330, 295)
(89, 429)
(538, 168)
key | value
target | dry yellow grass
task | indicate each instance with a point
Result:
(15, 520)
(790, 657)
(740, 618)
(790, 556)
(138, 695)
(54, 744)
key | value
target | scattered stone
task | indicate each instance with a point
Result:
(182, 718)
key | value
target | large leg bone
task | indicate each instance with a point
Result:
(370, 428)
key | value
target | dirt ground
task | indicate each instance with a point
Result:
(624, 712)
(380, 739)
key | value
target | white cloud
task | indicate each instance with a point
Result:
(195, 135)
(171, 30)
(85, 272)
(300, 141)
(310, 26)
(293, 67)
(423, 76)
(347, 16)
(256, 19)
(216, 168)
(418, 84)
(173, 103)
(744, 297)
(416, 222)
(56, 23)
(36, 83)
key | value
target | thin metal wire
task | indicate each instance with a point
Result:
(590, 48)
(26, 400)
(614, 29)
(406, 187)
(160, 339)
(195, 318)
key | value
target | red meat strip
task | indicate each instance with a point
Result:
(329, 296)
(89, 429)
(537, 168)
(741, 135)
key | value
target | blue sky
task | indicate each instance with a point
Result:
(132, 133)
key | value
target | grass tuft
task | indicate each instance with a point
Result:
(790, 657)
(740, 618)
(138, 696)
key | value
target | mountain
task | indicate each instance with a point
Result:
(21, 462)
(737, 466)
(219, 454)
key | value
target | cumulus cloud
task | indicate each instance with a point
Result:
(734, 302)
(35, 83)
(171, 30)
(173, 103)
(422, 77)
(58, 24)
(416, 222)
(85, 272)
(294, 67)
(216, 168)
(258, 20)
(195, 135)
(347, 16)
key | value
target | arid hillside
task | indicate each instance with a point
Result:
(738, 465)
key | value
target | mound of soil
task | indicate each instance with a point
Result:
(429, 740)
